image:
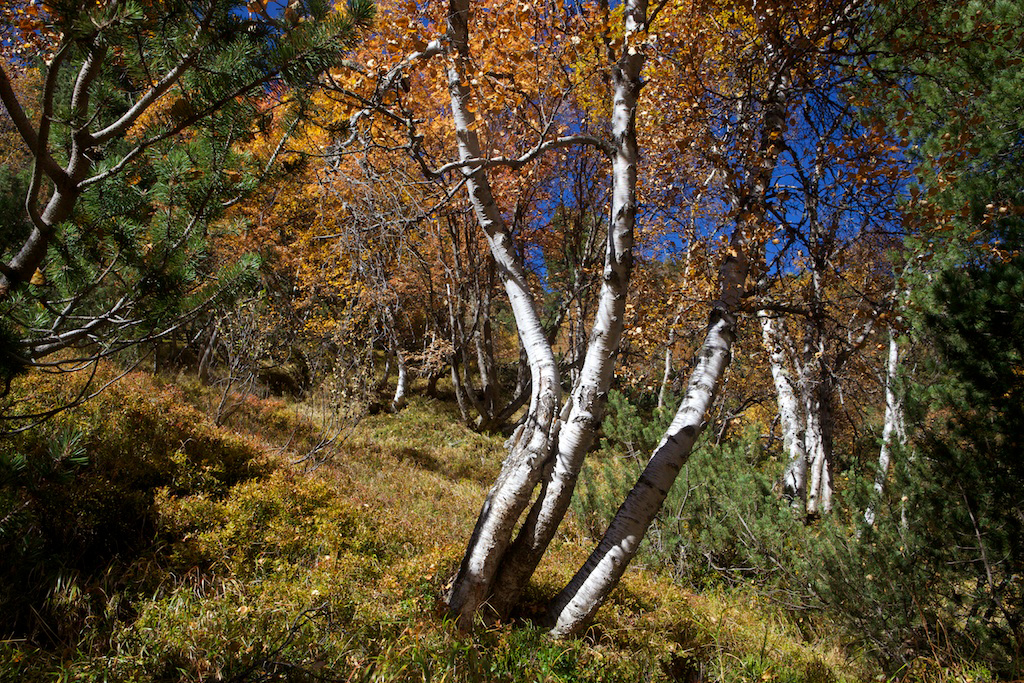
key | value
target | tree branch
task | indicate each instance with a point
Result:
(22, 123)
(80, 95)
(565, 141)
(120, 126)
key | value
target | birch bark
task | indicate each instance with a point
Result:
(549, 448)
(794, 479)
(816, 386)
(530, 446)
(588, 589)
(892, 429)
(586, 404)
(398, 400)
(819, 485)
(573, 607)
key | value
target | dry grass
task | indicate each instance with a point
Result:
(335, 574)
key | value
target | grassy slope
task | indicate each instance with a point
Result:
(159, 547)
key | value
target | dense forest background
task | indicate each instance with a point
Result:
(511, 341)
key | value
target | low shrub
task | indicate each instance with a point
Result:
(78, 496)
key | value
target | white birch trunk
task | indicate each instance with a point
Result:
(591, 585)
(816, 383)
(530, 446)
(578, 429)
(893, 427)
(588, 589)
(794, 479)
(816, 388)
(398, 401)
(666, 373)
(819, 485)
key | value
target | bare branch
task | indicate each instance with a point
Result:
(518, 162)
(44, 347)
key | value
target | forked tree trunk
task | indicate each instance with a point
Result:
(579, 423)
(549, 447)
(819, 484)
(816, 388)
(530, 445)
(66, 188)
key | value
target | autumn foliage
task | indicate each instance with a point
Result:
(616, 235)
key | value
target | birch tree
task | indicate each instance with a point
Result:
(830, 279)
(798, 56)
(554, 438)
(776, 342)
(546, 449)
(894, 432)
(744, 115)
(578, 601)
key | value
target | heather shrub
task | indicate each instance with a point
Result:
(78, 495)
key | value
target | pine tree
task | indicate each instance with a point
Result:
(947, 560)
(970, 452)
(134, 137)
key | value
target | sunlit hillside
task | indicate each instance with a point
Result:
(143, 543)
(576, 340)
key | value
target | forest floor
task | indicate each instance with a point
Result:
(156, 545)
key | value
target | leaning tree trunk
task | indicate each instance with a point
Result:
(579, 600)
(587, 590)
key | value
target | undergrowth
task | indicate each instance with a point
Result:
(140, 542)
